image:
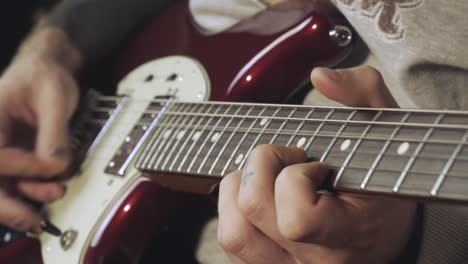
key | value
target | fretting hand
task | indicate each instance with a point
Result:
(271, 213)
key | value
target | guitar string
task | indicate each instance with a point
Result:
(344, 135)
(376, 182)
(388, 186)
(338, 121)
(402, 110)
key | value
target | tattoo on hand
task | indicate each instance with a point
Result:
(245, 177)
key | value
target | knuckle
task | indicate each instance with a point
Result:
(18, 222)
(232, 240)
(262, 149)
(229, 179)
(375, 78)
(289, 170)
(251, 206)
(296, 228)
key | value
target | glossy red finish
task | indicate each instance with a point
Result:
(271, 78)
(23, 251)
(138, 219)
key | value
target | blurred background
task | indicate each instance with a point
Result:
(16, 20)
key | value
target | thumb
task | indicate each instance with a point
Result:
(55, 107)
(361, 86)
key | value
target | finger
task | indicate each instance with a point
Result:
(237, 236)
(54, 109)
(304, 215)
(18, 215)
(234, 259)
(361, 86)
(256, 197)
(42, 191)
(17, 162)
(4, 129)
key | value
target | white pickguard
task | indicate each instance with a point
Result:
(93, 196)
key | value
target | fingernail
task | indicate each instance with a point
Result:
(32, 235)
(50, 228)
(334, 75)
(59, 152)
(214, 189)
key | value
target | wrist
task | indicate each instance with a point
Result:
(54, 44)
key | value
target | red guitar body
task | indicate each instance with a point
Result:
(241, 67)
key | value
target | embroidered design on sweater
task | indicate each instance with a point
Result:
(387, 13)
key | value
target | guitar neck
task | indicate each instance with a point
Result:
(391, 151)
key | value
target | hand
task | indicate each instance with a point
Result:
(271, 213)
(38, 95)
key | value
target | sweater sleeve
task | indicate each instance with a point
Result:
(98, 27)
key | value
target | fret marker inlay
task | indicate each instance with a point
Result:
(263, 121)
(196, 135)
(239, 158)
(301, 142)
(167, 134)
(403, 148)
(215, 137)
(181, 135)
(345, 145)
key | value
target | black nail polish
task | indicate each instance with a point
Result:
(50, 228)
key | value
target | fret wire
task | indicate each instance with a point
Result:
(216, 141)
(165, 137)
(353, 150)
(382, 151)
(144, 137)
(319, 128)
(402, 110)
(379, 170)
(156, 139)
(151, 138)
(208, 137)
(176, 150)
(285, 121)
(195, 142)
(214, 145)
(332, 142)
(191, 137)
(234, 131)
(247, 154)
(172, 138)
(412, 159)
(238, 146)
(448, 165)
(340, 121)
(296, 131)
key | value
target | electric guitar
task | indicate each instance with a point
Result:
(160, 131)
